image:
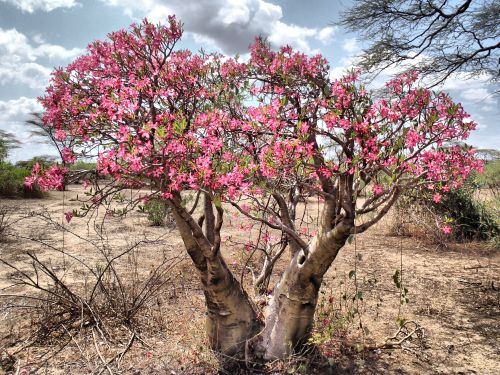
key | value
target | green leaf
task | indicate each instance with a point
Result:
(217, 201)
(396, 279)
(179, 126)
(351, 274)
(350, 239)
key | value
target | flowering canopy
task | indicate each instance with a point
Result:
(206, 122)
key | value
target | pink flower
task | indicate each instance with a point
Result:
(248, 245)
(436, 198)
(68, 155)
(446, 229)
(68, 216)
(378, 189)
(412, 138)
(85, 184)
(60, 135)
(29, 181)
(246, 208)
(36, 168)
(166, 195)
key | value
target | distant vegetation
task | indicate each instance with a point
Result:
(471, 212)
(12, 181)
(82, 165)
(12, 176)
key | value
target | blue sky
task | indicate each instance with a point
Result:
(38, 35)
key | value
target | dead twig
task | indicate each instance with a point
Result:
(120, 355)
(406, 332)
(104, 362)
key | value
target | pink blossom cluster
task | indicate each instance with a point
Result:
(201, 121)
(51, 178)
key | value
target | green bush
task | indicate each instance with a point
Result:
(417, 215)
(12, 182)
(470, 219)
(82, 165)
(159, 213)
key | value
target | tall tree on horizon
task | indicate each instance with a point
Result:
(439, 37)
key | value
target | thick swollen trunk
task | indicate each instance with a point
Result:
(290, 313)
(231, 316)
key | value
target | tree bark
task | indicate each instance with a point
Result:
(289, 316)
(231, 316)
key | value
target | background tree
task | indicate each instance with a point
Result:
(255, 138)
(7, 142)
(58, 139)
(442, 37)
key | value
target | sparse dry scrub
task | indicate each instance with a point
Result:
(95, 298)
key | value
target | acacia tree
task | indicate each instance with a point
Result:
(48, 134)
(7, 142)
(258, 138)
(442, 36)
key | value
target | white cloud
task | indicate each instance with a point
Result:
(231, 25)
(19, 59)
(31, 6)
(14, 111)
(477, 94)
(487, 108)
(325, 35)
(295, 36)
(38, 39)
(351, 46)
(32, 75)
(13, 116)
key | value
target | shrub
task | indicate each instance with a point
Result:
(12, 182)
(471, 219)
(116, 298)
(458, 210)
(490, 180)
(159, 213)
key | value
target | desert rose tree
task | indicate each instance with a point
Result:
(256, 137)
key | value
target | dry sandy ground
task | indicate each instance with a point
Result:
(453, 295)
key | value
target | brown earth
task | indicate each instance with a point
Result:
(453, 295)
